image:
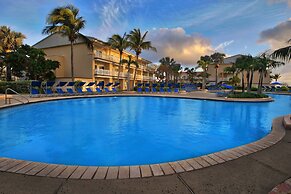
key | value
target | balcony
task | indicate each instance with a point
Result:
(104, 72)
(107, 57)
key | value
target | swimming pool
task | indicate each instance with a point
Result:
(116, 131)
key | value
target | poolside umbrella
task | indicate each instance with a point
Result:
(276, 83)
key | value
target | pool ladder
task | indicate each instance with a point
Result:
(8, 98)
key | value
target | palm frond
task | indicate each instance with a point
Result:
(282, 53)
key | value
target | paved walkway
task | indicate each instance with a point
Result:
(256, 173)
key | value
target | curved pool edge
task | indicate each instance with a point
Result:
(141, 171)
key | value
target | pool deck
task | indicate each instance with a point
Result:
(253, 168)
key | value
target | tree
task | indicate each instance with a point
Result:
(166, 67)
(9, 42)
(204, 62)
(128, 62)
(243, 64)
(191, 74)
(66, 21)
(265, 63)
(119, 43)
(234, 80)
(31, 63)
(283, 53)
(137, 42)
(217, 59)
(275, 76)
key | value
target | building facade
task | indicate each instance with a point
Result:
(224, 77)
(93, 65)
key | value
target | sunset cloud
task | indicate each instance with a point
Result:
(175, 43)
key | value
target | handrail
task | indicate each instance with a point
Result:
(9, 89)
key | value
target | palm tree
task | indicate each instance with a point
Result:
(9, 42)
(283, 53)
(166, 64)
(128, 62)
(204, 62)
(119, 43)
(217, 59)
(275, 76)
(137, 43)
(264, 64)
(66, 21)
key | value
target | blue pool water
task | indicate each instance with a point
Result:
(132, 130)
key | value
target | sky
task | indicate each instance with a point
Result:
(183, 30)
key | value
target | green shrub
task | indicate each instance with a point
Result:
(18, 86)
(254, 89)
(284, 89)
(246, 95)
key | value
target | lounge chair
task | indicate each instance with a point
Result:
(79, 91)
(35, 88)
(48, 88)
(107, 90)
(154, 90)
(60, 91)
(176, 90)
(70, 91)
(162, 90)
(48, 91)
(147, 90)
(114, 90)
(99, 91)
(139, 90)
(89, 91)
(169, 90)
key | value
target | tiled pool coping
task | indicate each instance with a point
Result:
(142, 171)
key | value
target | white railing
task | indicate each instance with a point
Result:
(107, 57)
(102, 72)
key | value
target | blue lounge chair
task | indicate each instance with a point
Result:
(61, 84)
(139, 90)
(176, 90)
(60, 91)
(48, 91)
(154, 90)
(34, 89)
(79, 90)
(70, 91)
(162, 90)
(89, 91)
(169, 90)
(114, 90)
(147, 90)
(98, 90)
(107, 90)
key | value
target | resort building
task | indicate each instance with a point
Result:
(99, 64)
(224, 77)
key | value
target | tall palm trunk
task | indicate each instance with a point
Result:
(134, 77)
(128, 78)
(248, 81)
(243, 81)
(119, 67)
(261, 78)
(216, 75)
(204, 80)
(8, 69)
(251, 78)
(72, 61)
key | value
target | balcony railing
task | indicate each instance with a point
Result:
(107, 57)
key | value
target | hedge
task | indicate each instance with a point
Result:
(18, 86)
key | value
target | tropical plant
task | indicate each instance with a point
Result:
(191, 74)
(204, 62)
(119, 43)
(66, 21)
(283, 53)
(234, 80)
(137, 42)
(265, 63)
(128, 62)
(276, 76)
(31, 63)
(9, 42)
(166, 65)
(217, 59)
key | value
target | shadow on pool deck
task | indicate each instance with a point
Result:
(255, 173)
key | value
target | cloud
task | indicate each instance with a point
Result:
(277, 37)
(280, 1)
(175, 43)
(222, 46)
(113, 15)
